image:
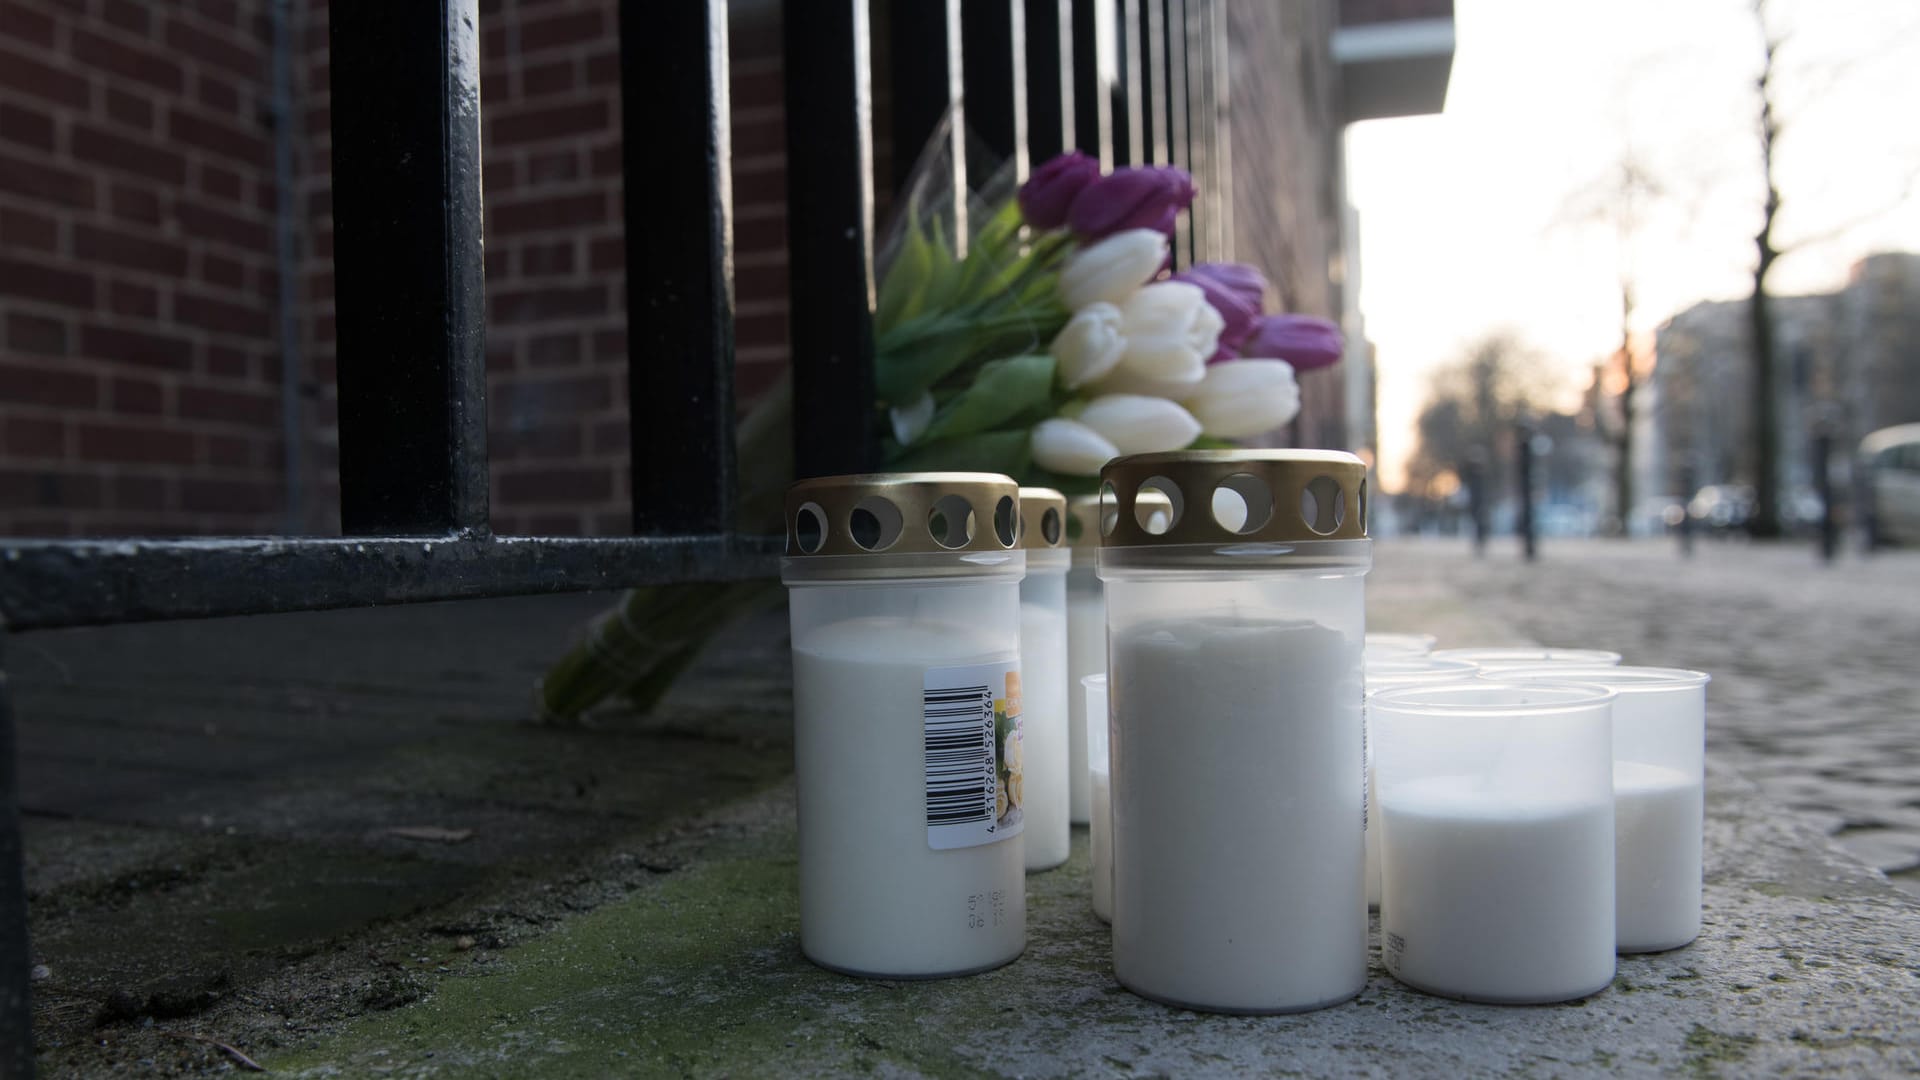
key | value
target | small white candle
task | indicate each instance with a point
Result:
(1100, 828)
(1043, 687)
(1657, 823)
(1659, 774)
(1496, 867)
(1497, 898)
(1385, 673)
(1086, 655)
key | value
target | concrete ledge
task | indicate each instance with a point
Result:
(1808, 965)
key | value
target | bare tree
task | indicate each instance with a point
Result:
(1766, 436)
(1471, 405)
(1619, 201)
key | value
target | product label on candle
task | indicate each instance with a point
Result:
(974, 758)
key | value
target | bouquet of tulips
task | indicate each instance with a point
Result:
(1041, 342)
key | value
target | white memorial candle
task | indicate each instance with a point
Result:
(1237, 800)
(1100, 828)
(908, 750)
(1659, 786)
(1495, 898)
(1385, 673)
(1086, 655)
(1238, 772)
(1497, 830)
(1045, 715)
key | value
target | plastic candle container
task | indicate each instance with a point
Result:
(1086, 640)
(1385, 673)
(1100, 827)
(1659, 796)
(1493, 659)
(1087, 629)
(1388, 645)
(1238, 784)
(1496, 867)
(1043, 676)
(904, 595)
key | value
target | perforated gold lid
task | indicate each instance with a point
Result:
(1043, 519)
(902, 513)
(1084, 513)
(1236, 497)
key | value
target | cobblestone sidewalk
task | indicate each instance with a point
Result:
(1816, 692)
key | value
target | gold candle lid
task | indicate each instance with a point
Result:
(1043, 519)
(938, 513)
(1083, 516)
(1234, 497)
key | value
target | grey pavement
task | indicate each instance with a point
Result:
(211, 829)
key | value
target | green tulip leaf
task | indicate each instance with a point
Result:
(1001, 391)
(1007, 452)
(903, 291)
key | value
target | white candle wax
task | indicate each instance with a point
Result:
(1657, 816)
(1100, 840)
(874, 897)
(1044, 721)
(1086, 655)
(1236, 792)
(1496, 897)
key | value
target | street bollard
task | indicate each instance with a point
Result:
(1475, 472)
(1823, 481)
(1523, 452)
(1686, 512)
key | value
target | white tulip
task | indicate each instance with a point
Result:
(1089, 345)
(1071, 448)
(1239, 398)
(1171, 330)
(1112, 269)
(1141, 425)
(910, 422)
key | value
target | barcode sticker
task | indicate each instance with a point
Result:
(974, 755)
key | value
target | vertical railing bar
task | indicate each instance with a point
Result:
(992, 66)
(1179, 152)
(16, 952)
(927, 81)
(1222, 162)
(679, 241)
(1063, 52)
(1128, 144)
(1090, 43)
(1049, 78)
(1200, 126)
(829, 106)
(411, 304)
(1017, 61)
(1153, 59)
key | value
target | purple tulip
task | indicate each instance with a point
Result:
(1049, 193)
(1235, 290)
(1304, 341)
(1141, 197)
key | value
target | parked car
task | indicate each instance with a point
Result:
(1721, 507)
(1890, 467)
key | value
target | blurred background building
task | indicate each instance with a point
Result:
(166, 284)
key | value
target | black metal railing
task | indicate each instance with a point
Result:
(1131, 81)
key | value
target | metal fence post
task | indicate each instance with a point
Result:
(407, 259)
(679, 238)
(16, 954)
(1523, 453)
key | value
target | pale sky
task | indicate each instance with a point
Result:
(1470, 220)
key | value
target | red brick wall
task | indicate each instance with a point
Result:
(139, 373)
(139, 365)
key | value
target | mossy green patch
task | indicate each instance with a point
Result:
(703, 976)
(1709, 1050)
